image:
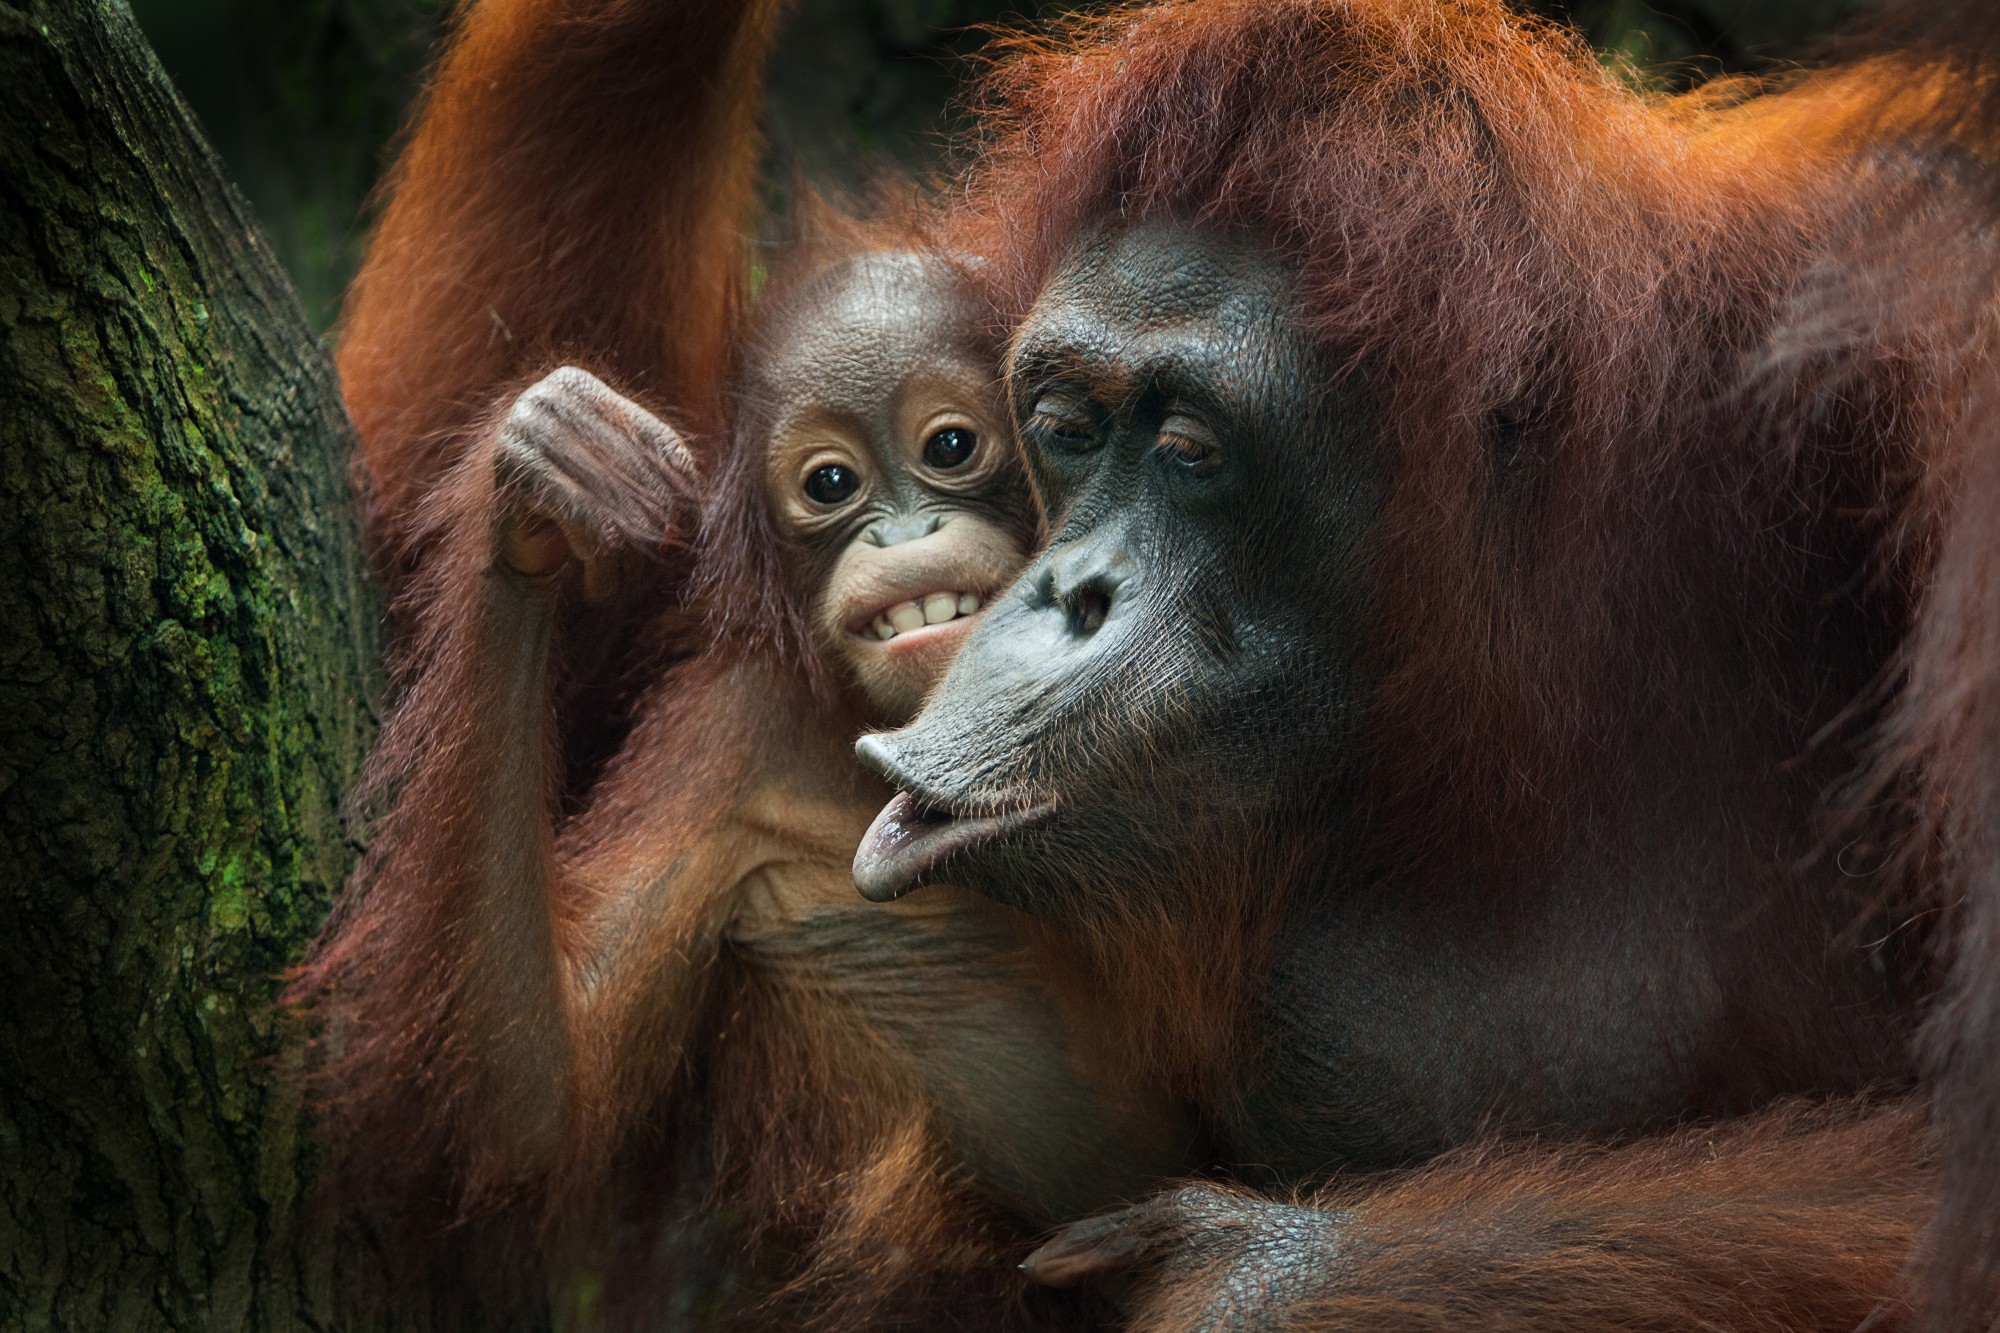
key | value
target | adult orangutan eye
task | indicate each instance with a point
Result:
(1062, 420)
(1190, 443)
(950, 448)
(831, 484)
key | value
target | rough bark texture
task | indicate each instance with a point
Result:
(186, 668)
(187, 646)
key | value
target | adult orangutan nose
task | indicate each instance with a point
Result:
(1083, 582)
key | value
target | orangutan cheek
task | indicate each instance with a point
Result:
(894, 690)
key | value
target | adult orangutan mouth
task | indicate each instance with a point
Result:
(911, 837)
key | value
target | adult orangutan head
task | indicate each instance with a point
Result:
(1364, 358)
(1164, 392)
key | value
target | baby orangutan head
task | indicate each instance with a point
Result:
(890, 475)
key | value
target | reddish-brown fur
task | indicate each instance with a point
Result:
(1720, 1227)
(1742, 342)
(1465, 251)
(546, 1127)
(528, 220)
(619, 1076)
(578, 182)
(1495, 229)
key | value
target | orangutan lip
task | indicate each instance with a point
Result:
(910, 837)
(923, 637)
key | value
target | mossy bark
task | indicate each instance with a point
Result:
(187, 661)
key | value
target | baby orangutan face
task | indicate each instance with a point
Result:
(890, 476)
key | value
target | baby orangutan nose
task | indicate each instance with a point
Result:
(893, 616)
(896, 531)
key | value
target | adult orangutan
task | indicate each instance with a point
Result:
(1542, 538)
(603, 975)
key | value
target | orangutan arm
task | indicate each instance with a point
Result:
(1784, 1221)
(447, 973)
(578, 179)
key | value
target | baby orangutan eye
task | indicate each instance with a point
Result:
(950, 448)
(831, 484)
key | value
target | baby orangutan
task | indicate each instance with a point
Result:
(673, 1007)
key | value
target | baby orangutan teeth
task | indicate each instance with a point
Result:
(932, 609)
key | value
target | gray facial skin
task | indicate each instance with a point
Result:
(1160, 391)
(1175, 689)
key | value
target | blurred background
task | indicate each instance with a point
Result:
(303, 98)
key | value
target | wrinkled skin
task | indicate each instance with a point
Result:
(859, 369)
(862, 371)
(1130, 662)
(586, 474)
(1259, 1258)
(1182, 673)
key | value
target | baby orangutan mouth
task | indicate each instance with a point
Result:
(933, 609)
(911, 837)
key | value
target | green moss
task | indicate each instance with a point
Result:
(227, 908)
(181, 712)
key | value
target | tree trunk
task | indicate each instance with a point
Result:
(186, 672)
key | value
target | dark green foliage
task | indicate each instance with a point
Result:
(189, 649)
(189, 658)
(301, 98)
(1680, 42)
(859, 84)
